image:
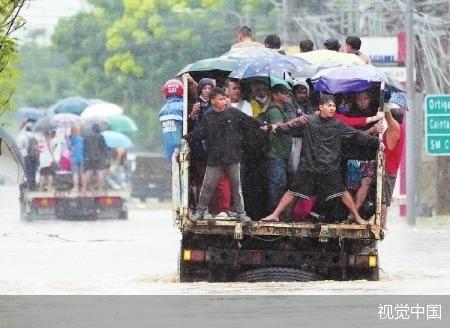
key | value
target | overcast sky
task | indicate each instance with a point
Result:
(45, 13)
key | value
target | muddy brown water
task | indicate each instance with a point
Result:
(139, 256)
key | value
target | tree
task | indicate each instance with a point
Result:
(124, 51)
(10, 21)
(45, 78)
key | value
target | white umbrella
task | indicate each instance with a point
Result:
(102, 110)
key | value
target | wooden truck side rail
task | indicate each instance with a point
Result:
(312, 230)
(29, 195)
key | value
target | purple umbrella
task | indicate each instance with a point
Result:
(351, 78)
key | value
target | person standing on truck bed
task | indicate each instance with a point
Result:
(95, 156)
(245, 39)
(48, 159)
(352, 46)
(394, 140)
(222, 195)
(362, 110)
(77, 160)
(319, 170)
(171, 117)
(222, 128)
(279, 147)
(29, 149)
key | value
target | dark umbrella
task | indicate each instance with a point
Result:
(30, 113)
(86, 128)
(72, 105)
(43, 124)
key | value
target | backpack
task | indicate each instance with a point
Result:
(33, 148)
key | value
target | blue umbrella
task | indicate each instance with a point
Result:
(71, 105)
(399, 98)
(30, 113)
(275, 65)
(115, 139)
(351, 78)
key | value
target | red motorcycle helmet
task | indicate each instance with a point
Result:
(172, 88)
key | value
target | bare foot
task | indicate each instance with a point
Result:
(271, 218)
(361, 221)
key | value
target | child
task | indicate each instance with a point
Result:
(222, 128)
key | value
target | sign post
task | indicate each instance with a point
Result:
(437, 125)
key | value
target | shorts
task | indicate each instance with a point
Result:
(49, 170)
(368, 169)
(95, 164)
(358, 170)
(388, 188)
(323, 185)
(77, 168)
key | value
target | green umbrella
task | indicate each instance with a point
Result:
(121, 123)
(210, 64)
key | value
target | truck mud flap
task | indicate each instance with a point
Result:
(76, 208)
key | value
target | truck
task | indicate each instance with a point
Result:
(149, 176)
(223, 250)
(64, 203)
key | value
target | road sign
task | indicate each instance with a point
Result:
(437, 125)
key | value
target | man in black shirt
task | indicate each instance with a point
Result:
(320, 171)
(222, 128)
(95, 156)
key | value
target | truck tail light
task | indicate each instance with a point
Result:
(44, 202)
(372, 261)
(194, 255)
(257, 257)
(108, 201)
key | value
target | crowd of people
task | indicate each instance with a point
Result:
(64, 150)
(266, 145)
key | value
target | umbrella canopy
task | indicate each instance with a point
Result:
(330, 58)
(240, 54)
(72, 105)
(275, 65)
(227, 62)
(121, 123)
(66, 120)
(86, 128)
(400, 99)
(115, 139)
(102, 110)
(30, 113)
(351, 78)
(12, 164)
(94, 101)
(210, 64)
(43, 125)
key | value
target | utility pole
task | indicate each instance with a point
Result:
(411, 116)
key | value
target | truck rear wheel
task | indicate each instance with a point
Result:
(369, 275)
(277, 275)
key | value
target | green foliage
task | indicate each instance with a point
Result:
(10, 21)
(124, 50)
(46, 77)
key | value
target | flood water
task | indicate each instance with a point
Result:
(139, 256)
